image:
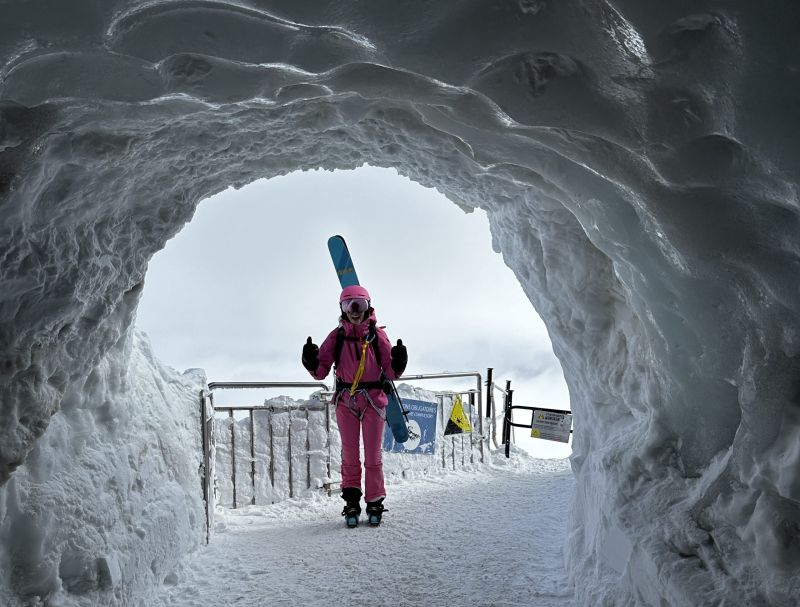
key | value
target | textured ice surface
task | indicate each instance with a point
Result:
(638, 163)
(108, 500)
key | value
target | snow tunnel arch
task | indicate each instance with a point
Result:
(645, 211)
(179, 177)
(210, 298)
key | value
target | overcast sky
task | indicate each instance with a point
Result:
(242, 286)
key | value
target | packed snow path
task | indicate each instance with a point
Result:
(487, 538)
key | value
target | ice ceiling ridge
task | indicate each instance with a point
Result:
(638, 165)
(153, 15)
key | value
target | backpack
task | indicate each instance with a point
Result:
(372, 338)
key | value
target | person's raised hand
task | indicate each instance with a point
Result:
(399, 357)
(310, 356)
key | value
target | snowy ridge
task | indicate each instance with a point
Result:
(638, 163)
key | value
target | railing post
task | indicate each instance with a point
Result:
(507, 420)
(328, 435)
(480, 421)
(442, 424)
(253, 457)
(308, 452)
(505, 412)
(472, 421)
(489, 373)
(208, 493)
(493, 430)
(233, 456)
(291, 479)
(271, 454)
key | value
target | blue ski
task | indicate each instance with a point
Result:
(396, 417)
(342, 261)
(395, 414)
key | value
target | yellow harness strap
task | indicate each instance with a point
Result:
(360, 370)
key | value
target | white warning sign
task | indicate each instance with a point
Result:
(551, 426)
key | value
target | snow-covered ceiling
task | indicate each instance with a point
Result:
(638, 162)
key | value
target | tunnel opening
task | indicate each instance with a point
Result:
(244, 282)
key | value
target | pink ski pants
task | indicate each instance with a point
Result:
(370, 425)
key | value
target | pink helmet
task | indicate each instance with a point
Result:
(354, 292)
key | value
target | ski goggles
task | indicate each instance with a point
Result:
(358, 305)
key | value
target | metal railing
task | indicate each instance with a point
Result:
(491, 410)
(508, 395)
(251, 409)
(470, 394)
(507, 431)
(242, 385)
(508, 423)
(478, 391)
(474, 398)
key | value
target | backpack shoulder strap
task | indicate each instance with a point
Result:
(337, 348)
(341, 338)
(373, 338)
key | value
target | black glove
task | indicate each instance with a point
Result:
(399, 357)
(310, 356)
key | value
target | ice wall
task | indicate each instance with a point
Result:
(638, 162)
(108, 501)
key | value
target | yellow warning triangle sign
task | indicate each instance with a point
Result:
(458, 422)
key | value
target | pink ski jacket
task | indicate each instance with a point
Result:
(351, 355)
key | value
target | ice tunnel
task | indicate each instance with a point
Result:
(638, 164)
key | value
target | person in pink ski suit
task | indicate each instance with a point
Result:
(360, 399)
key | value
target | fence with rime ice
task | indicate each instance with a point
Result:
(291, 448)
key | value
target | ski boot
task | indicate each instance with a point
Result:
(375, 512)
(352, 507)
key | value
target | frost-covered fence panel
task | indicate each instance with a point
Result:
(269, 453)
(232, 453)
(243, 462)
(300, 477)
(457, 450)
(281, 483)
(321, 431)
(223, 485)
(264, 457)
(290, 448)
(452, 452)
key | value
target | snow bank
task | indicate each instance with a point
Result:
(638, 164)
(109, 499)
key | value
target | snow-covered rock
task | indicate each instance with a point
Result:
(638, 163)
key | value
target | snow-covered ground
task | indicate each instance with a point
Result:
(492, 537)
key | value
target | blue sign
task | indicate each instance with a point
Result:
(421, 429)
